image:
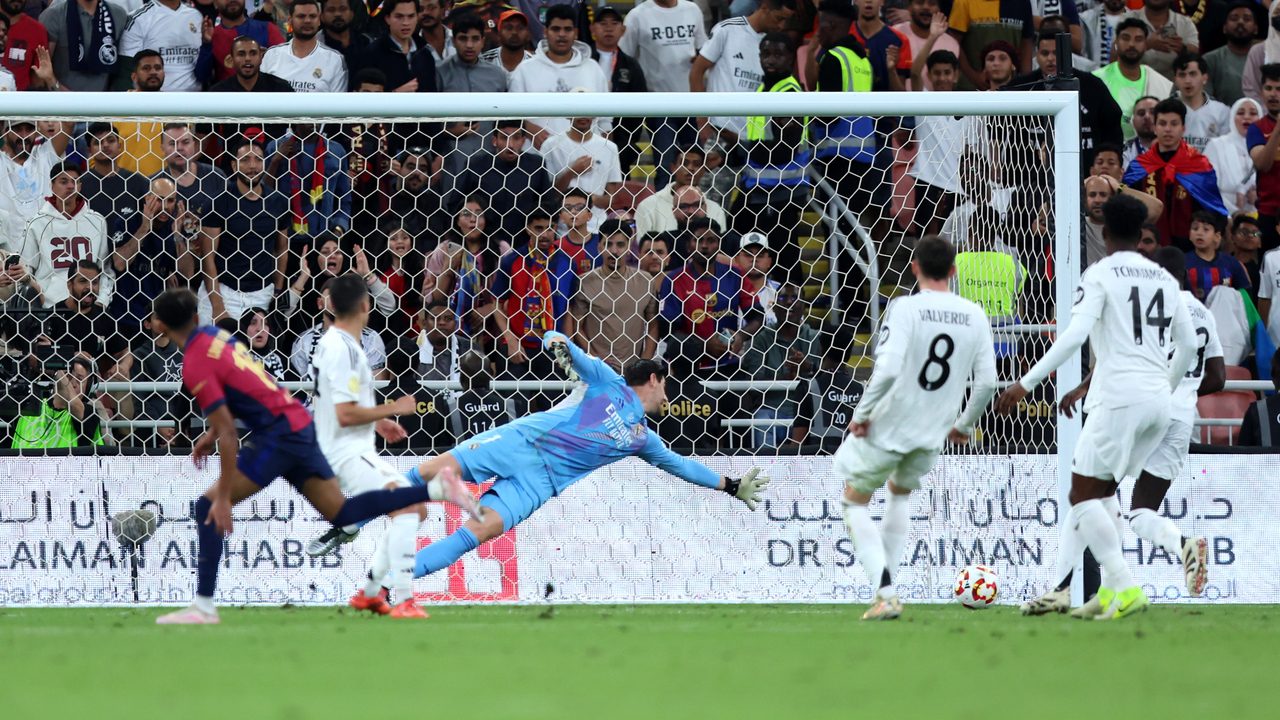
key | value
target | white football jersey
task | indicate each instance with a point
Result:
(1207, 346)
(1138, 307)
(322, 70)
(342, 375)
(734, 47)
(935, 341)
(175, 34)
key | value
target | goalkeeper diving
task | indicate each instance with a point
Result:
(537, 457)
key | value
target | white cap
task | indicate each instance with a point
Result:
(754, 238)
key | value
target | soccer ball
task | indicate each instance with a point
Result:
(977, 587)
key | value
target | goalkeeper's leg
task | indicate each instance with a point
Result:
(508, 503)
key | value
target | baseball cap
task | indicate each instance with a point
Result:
(754, 238)
(606, 11)
(512, 14)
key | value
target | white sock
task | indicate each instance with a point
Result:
(1099, 534)
(402, 546)
(1070, 546)
(866, 542)
(1159, 530)
(435, 489)
(205, 605)
(381, 564)
(1112, 506)
(894, 526)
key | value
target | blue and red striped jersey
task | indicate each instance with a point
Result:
(218, 370)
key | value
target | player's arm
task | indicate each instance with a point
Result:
(1083, 317)
(1184, 344)
(344, 386)
(1067, 405)
(891, 349)
(747, 488)
(984, 387)
(590, 369)
(222, 432)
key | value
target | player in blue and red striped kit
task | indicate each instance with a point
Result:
(229, 384)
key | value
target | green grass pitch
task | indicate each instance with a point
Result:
(653, 662)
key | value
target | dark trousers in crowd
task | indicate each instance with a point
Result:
(1270, 235)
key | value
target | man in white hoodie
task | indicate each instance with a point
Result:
(30, 149)
(63, 233)
(561, 65)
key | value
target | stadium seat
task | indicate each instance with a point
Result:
(1228, 404)
(1237, 372)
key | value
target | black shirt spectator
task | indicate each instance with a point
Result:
(246, 56)
(515, 182)
(110, 190)
(625, 75)
(250, 220)
(148, 246)
(77, 325)
(407, 64)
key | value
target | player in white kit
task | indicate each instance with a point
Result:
(1131, 311)
(347, 415)
(930, 344)
(1207, 375)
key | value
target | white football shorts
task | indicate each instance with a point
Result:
(1116, 442)
(367, 472)
(866, 467)
(1170, 456)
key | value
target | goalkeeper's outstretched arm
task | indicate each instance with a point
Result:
(747, 488)
(588, 369)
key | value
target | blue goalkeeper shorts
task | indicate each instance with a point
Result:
(523, 482)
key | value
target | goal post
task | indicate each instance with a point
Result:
(850, 266)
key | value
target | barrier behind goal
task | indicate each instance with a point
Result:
(437, 195)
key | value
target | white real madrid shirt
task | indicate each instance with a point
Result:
(734, 48)
(175, 34)
(321, 70)
(1207, 346)
(930, 344)
(342, 375)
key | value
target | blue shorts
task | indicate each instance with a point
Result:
(523, 482)
(294, 456)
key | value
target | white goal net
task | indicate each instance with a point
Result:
(758, 269)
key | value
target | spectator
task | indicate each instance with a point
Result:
(516, 182)
(112, 191)
(664, 36)
(624, 74)
(329, 262)
(578, 243)
(256, 329)
(888, 51)
(69, 418)
(7, 81)
(788, 351)
(1098, 189)
(24, 38)
(559, 65)
(160, 360)
(688, 205)
(85, 38)
(1065, 12)
(654, 254)
(1171, 34)
(580, 158)
(926, 33)
(401, 270)
(245, 61)
(1100, 24)
(1207, 266)
(463, 71)
(341, 29)
(1260, 426)
(1227, 63)
(198, 183)
(217, 56)
(754, 261)
(417, 201)
(1177, 174)
(1108, 159)
(304, 62)
(1149, 241)
(513, 32)
(659, 212)
(1246, 242)
(31, 150)
(730, 62)
(1126, 77)
(702, 304)
(533, 285)
(1229, 155)
(440, 345)
(19, 292)
(1206, 118)
(244, 243)
(304, 348)
(372, 179)
(977, 24)
(471, 231)
(941, 138)
(999, 64)
(142, 152)
(175, 31)
(311, 170)
(824, 416)
(1141, 130)
(453, 278)
(433, 32)
(1269, 290)
(614, 308)
(408, 67)
(989, 272)
(64, 232)
(152, 254)
(1264, 145)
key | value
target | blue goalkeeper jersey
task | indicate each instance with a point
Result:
(599, 424)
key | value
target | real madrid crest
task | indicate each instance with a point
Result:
(317, 73)
(192, 27)
(107, 52)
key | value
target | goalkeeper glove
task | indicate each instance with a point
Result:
(748, 487)
(565, 361)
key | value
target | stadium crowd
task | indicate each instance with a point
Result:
(673, 237)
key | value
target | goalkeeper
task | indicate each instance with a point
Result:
(536, 457)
